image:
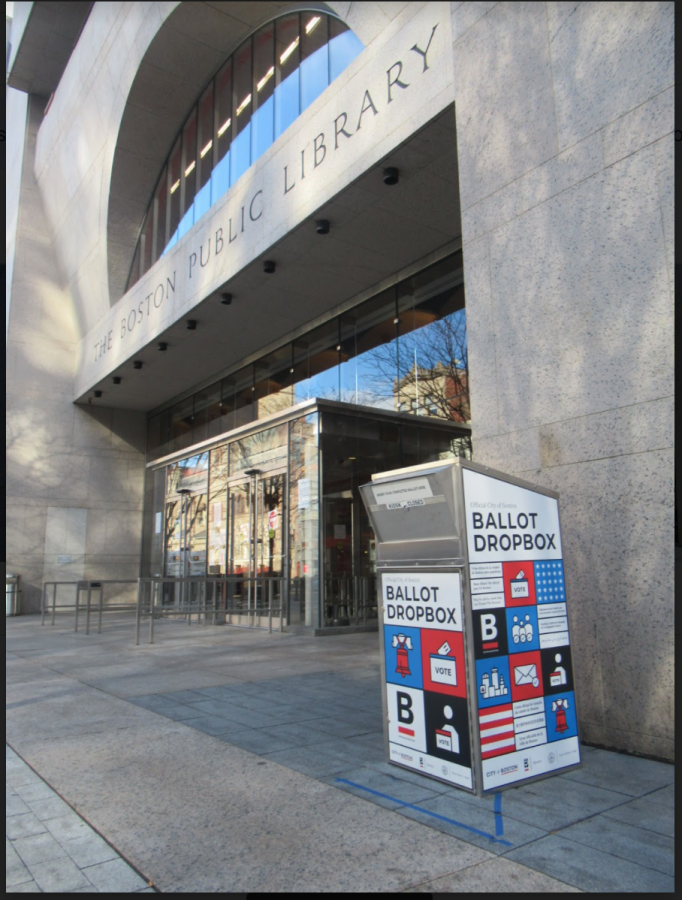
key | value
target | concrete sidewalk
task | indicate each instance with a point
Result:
(226, 759)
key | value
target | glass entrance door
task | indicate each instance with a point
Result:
(256, 557)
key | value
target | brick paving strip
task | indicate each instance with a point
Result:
(50, 849)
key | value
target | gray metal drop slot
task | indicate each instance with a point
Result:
(477, 680)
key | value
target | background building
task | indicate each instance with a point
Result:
(156, 164)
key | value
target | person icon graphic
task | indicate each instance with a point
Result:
(558, 676)
(446, 736)
(528, 629)
(516, 630)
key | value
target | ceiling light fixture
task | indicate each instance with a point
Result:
(191, 324)
(269, 266)
(206, 149)
(97, 393)
(226, 298)
(162, 345)
(391, 175)
(223, 128)
(116, 379)
(322, 226)
(312, 24)
(137, 364)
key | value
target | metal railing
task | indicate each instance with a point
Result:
(80, 587)
(350, 600)
(231, 600)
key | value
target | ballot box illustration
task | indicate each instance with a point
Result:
(477, 675)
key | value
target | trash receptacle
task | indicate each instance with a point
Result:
(12, 595)
(478, 688)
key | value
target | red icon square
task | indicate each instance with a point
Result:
(443, 668)
(519, 583)
(525, 674)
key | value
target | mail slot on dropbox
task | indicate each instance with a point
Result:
(477, 671)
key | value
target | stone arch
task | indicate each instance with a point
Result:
(188, 47)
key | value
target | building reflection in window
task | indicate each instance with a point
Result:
(405, 350)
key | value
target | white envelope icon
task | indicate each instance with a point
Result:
(525, 674)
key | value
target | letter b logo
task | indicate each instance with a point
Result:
(488, 627)
(405, 714)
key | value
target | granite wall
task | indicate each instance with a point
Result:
(565, 146)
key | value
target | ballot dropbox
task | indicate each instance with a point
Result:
(477, 676)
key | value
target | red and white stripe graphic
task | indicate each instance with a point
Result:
(497, 730)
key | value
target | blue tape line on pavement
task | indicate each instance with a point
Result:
(499, 825)
(426, 812)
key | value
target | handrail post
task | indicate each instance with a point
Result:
(101, 604)
(42, 603)
(281, 604)
(151, 618)
(87, 608)
(54, 600)
(77, 597)
(137, 612)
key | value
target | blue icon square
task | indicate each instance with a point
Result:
(549, 581)
(492, 681)
(562, 721)
(522, 629)
(403, 655)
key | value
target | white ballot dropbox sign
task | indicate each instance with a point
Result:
(478, 681)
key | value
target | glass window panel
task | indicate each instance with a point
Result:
(314, 57)
(263, 121)
(189, 176)
(304, 590)
(344, 46)
(220, 179)
(202, 201)
(206, 409)
(262, 450)
(147, 240)
(243, 107)
(152, 538)
(134, 276)
(181, 425)
(160, 201)
(287, 73)
(174, 172)
(217, 512)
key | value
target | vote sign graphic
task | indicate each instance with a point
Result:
(425, 670)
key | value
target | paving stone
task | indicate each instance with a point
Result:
(49, 807)
(68, 826)
(646, 812)
(15, 871)
(58, 875)
(114, 876)
(89, 849)
(28, 887)
(23, 826)
(471, 823)
(38, 848)
(35, 791)
(639, 845)
(15, 806)
(589, 868)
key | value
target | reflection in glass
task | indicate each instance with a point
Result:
(304, 521)
(258, 92)
(405, 349)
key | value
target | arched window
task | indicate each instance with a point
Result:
(262, 88)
